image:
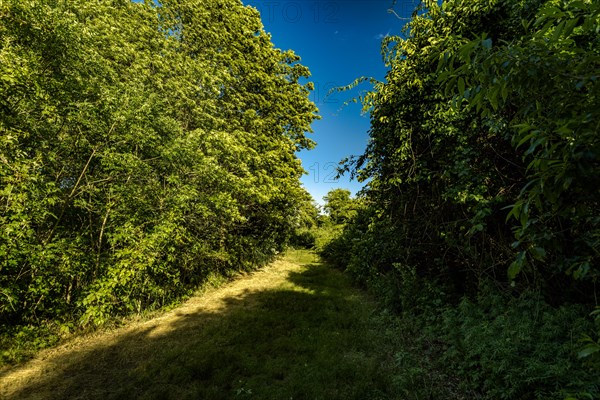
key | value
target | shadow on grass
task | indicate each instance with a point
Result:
(312, 338)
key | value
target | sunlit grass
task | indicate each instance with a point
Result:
(295, 330)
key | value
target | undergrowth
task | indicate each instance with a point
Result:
(493, 347)
(20, 343)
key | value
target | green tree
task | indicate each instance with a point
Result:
(543, 86)
(340, 206)
(143, 147)
(482, 167)
(463, 137)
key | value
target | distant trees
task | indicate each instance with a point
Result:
(339, 206)
(143, 147)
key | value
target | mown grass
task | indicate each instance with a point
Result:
(297, 330)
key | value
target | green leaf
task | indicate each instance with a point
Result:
(538, 253)
(538, 142)
(588, 350)
(527, 138)
(517, 266)
(461, 86)
(558, 31)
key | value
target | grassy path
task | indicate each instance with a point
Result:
(294, 330)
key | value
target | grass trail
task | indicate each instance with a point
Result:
(293, 330)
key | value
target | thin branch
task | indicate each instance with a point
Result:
(391, 11)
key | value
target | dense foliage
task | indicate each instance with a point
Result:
(483, 168)
(339, 206)
(143, 148)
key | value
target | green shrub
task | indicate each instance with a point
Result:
(505, 347)
(21, 342)
(304, 238)
(325, 234)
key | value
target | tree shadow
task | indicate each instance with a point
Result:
(312, 338)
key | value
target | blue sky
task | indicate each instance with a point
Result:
(339, 40)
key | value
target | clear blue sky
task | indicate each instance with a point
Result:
(339, 41)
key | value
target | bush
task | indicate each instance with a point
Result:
(304, 239)
(504, 347)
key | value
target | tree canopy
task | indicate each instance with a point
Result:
(339, 205)
(484, 147)
(482, 197)
(143, 147)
